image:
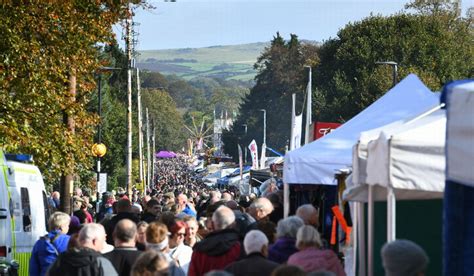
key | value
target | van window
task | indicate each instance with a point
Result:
(25, 204)
(47, 210)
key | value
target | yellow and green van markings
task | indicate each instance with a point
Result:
(24, 260)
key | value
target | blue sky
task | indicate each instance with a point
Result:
(202, 23)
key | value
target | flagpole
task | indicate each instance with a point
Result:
(308, 109)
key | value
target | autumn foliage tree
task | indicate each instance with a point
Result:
(43, 43)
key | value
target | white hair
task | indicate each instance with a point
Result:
(308, 236)
(254, 241)
(90, 231)
(223, 217)
(289, 227)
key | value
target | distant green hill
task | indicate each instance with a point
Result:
(226, 62)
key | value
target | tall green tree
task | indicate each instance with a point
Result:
(170, 134)
(434, 43)
(281, 72)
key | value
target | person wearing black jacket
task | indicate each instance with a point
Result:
(85, 260)
(125, 253)
(255, 262)
(152, 210)
(124, 208)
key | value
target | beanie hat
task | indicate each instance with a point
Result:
(403, 257)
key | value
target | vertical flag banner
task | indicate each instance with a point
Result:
(296, 132)
(254, 154)
(263, 157)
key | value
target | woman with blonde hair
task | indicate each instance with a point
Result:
(157, 239)
(311, 257)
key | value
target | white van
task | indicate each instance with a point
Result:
(23, 208)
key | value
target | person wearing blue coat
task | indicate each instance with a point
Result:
(47, 248)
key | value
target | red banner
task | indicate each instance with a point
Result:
(323, 128)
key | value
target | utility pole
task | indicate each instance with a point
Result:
(148, 167)
(67, 181)
(129, 46)
(153, 157)
(140, 130)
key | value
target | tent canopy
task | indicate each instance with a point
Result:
(317, 162)
(166, 154)
(408, 157)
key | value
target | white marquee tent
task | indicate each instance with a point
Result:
(407, 156)
(317, 162)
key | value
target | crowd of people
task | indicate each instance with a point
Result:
(183, 227)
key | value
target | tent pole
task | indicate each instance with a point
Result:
(391, 212)
(286, 200)
(370, 232)
(362, 242)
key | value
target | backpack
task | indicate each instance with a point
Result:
(50, 242)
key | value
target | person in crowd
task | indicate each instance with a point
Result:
(288, 270)
(157, 237)
(255, 262)
(48, 247)
(125, 253)
(123, 212)
(311, 257)
(78, 210)
(85, 259)
(74, 225)
(168, 200)
(179, 252)
(85, 206)
(192, 236)
(78, 192)
(218, 273)
(226, 196)
(215, 196)
(105, 208)
(286, 239)
(219, 248)
(404, 257)
(269, 229)
(276, 198)
(152, 263)
(309, 214)
(185, 208)
(54, 201)
(141, 235)
(260, 208)
(74, 241)
(152, 211)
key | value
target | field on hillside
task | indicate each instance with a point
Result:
(227, 62)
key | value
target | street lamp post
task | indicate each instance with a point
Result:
(264, 125)
(245, 148)
(100, 149)
(394, 68)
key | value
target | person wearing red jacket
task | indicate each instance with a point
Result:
(220, 248)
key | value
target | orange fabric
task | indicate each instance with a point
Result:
(333, 231)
